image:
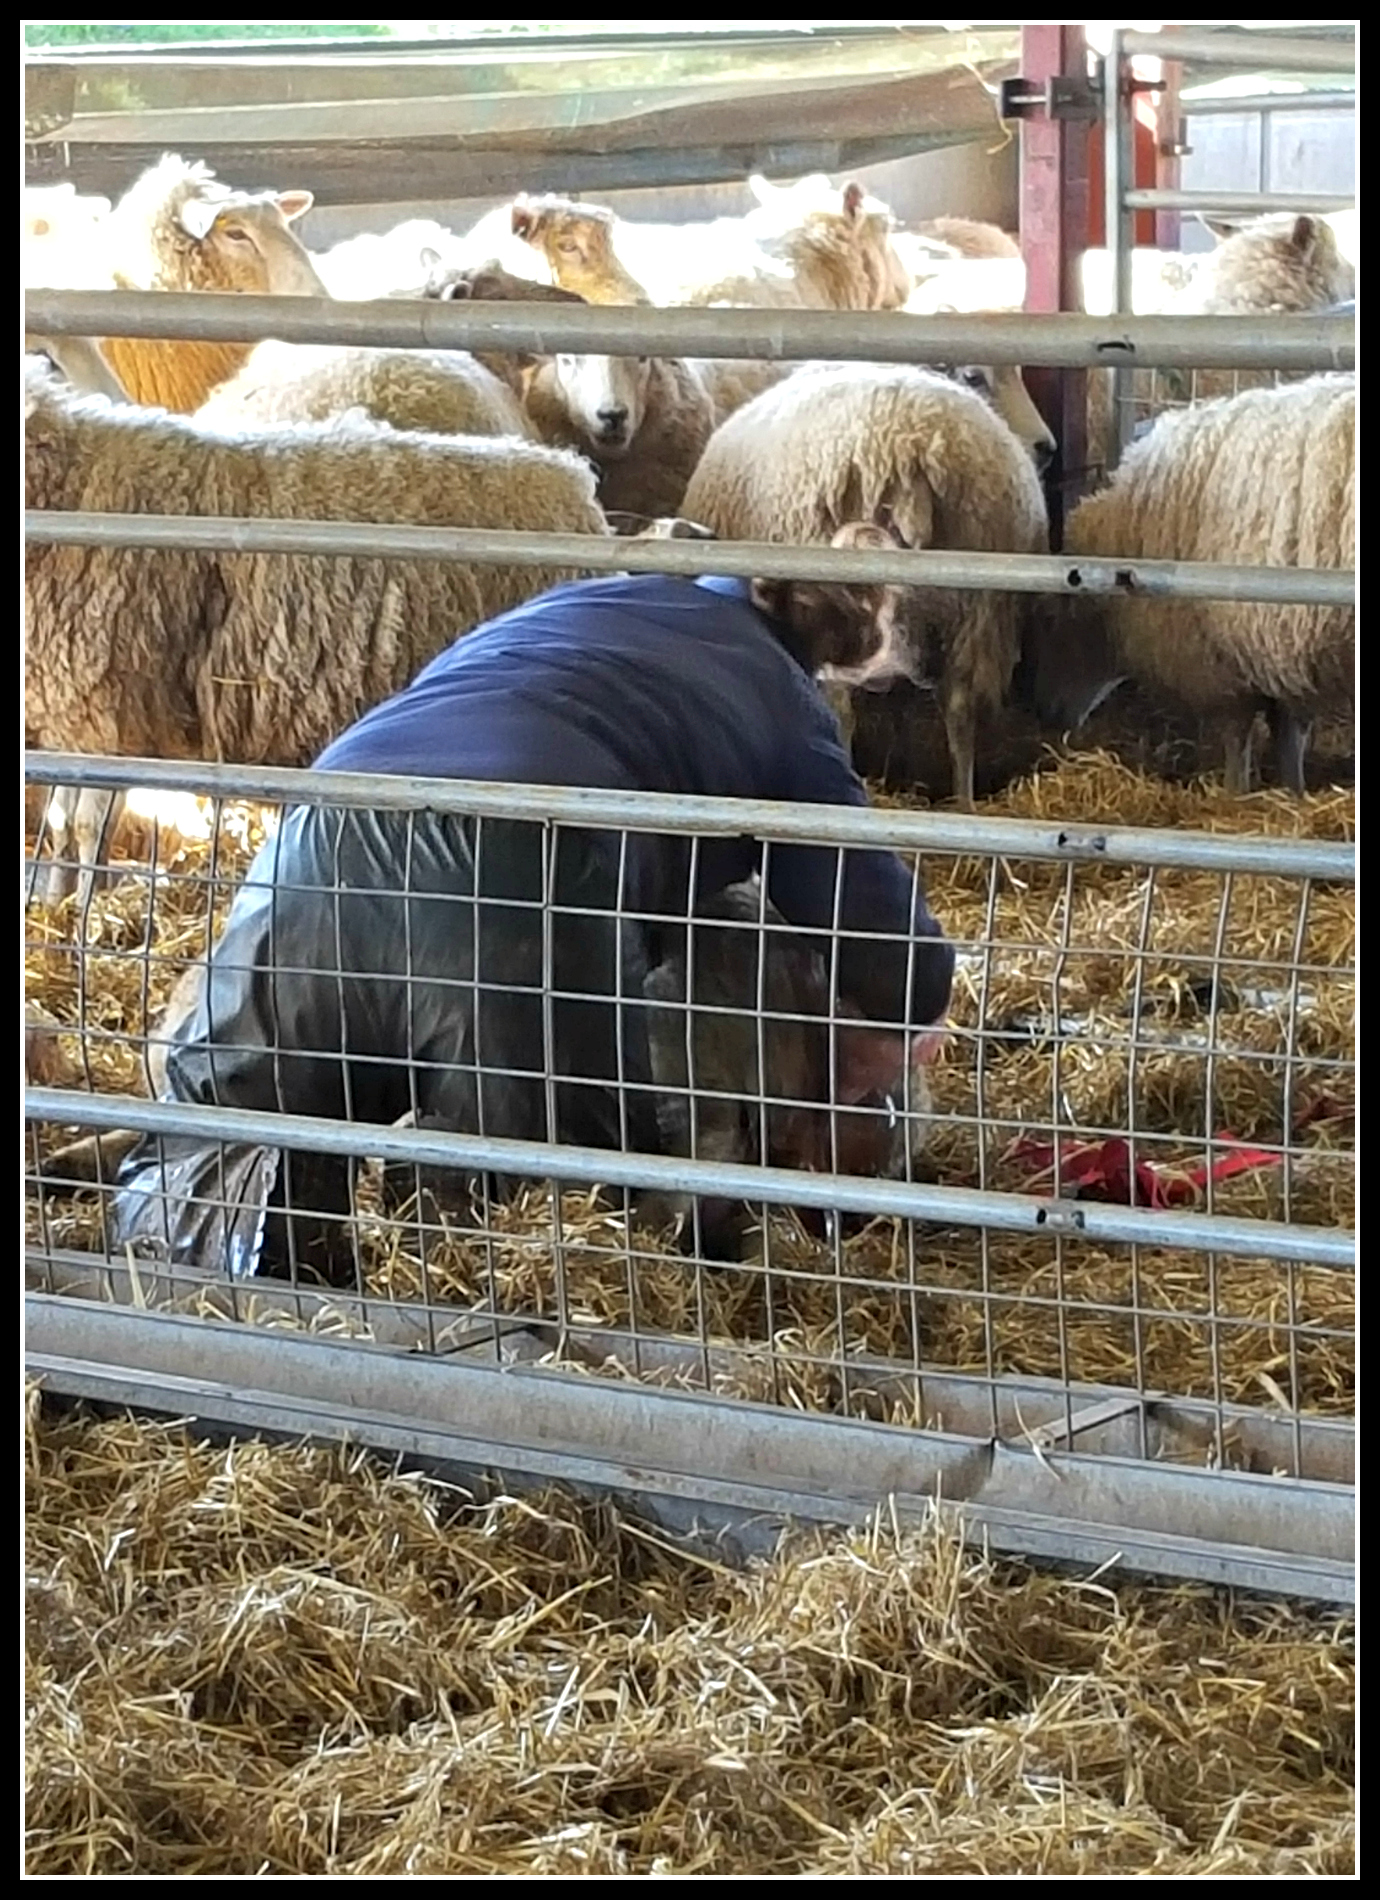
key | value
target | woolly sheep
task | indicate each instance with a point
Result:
(1266, 478)
(970, 237)
(443, 391)
(375, 264)
(257, 658)
(644, 419)
(829, 260)
(178, 228)
(1277, 263)
(1274, 265)
(908, 449)
(489, 283)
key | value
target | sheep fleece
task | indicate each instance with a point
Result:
(258, 658)
(831, 445)
(1267, 478)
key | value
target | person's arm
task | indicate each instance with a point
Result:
(879, 893)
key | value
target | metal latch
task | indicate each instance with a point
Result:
(1062, 96)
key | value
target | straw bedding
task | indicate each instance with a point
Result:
(288, 1660)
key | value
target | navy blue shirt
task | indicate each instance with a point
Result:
(655, 683)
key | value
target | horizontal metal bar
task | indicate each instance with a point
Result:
(1270, 1533)
(1251, 202)
(1245, 52)
(1015, 1407)
(1274, 342)
(1306, 101)
(904, 1200)
(731, 817)
(1017, 573)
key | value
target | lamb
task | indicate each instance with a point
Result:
(644, 419)
(257, 658)
(718, 1052)
(178, 228)
(1266, 478)
(445, 391)
(908, 449)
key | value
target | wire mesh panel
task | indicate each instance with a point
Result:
(1103, 1204)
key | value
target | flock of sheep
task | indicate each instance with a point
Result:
(264, 659)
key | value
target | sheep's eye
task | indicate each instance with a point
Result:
(235, 232)
(567, 247)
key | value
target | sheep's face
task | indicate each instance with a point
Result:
(243, 242)
(606, 399)
(1068, 662)
(1003, 387)
(576, 240)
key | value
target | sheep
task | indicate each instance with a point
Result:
(178, 228)
(576, 241)
(489, 282)
(1273, 265)
(445, 391)
(970, 237)
(257, 658)
(829, 260)
(730, 382)
(644, 419)
(1266, 478)
(1277, 263)
(906, 448)
(374, 264)
(81, 361)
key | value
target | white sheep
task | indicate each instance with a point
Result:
(443, 391)
(179, 228)
(644, 419)
(247, 657)
(1266, 478)
(910, 450)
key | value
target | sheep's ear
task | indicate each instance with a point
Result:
(197, 215)
(1304, 236)
(294, 204)
(853, 201)
(1220, 228)
(865, 534)
(429, 259)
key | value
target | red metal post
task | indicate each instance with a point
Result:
(1054, 222)
(1169, 150)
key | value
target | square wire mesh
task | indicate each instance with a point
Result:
(1164, 1038)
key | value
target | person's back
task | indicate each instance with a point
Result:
(653, 683)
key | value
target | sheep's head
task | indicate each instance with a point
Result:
(1278, 262)
(243, 241)
(870, 226)
(575, 239)
(485, 283)
(847, 632)
(606, 398)
(1002, 386)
